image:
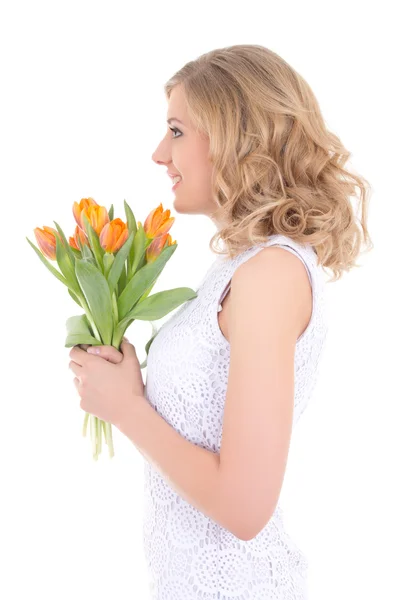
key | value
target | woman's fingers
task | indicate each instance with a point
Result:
(108, 352)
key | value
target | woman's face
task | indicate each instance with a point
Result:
(184, 152)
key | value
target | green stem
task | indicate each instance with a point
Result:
(98, 436)
(89, 317)
(85, 423)
(97, 425)
(93, 435)
(109, 439)
(103, 426)
(117, 337)
(115, 308)
(96, 432)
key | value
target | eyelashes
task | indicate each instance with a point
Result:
(175, 130)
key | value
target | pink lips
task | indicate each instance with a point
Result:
(176, 185)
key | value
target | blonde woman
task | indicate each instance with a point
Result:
(231, 372)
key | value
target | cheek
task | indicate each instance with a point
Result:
(197, 167)
(198, 179)
(191, 160)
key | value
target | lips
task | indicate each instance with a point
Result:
(176, 184)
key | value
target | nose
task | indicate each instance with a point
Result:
(162, 154)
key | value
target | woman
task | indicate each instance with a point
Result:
(231, 372)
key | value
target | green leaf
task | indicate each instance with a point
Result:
(97, 293)
(66, 266)
(44, 260)
(87, 255)
(119, 263)
(81, 338)
(81, 246)
(111, 213)
(78, 324)
(122, 281)
(94, 242)
(130, 218)
(148, 292)
(142, 280)
(140, 244)
(154, 332)
(147, 347)
(75, 297)
(79, 332)
(77, 253)
(160, 304)
(108, 260)
(132, 227)
(67, 246)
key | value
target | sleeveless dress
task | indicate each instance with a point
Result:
(188, 555)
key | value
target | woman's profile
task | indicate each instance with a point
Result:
(233, 369)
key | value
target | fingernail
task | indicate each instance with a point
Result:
(93, 350)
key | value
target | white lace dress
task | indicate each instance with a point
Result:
(190, 556)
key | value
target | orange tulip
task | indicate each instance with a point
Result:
(46, 239)
(157, 245)
(81, 235)
(114, 235)
(158, 222)
(97, 216)
(78, 208)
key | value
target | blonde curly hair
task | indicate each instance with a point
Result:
(276, 167)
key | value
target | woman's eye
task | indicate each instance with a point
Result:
(175, 131)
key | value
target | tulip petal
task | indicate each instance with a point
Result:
(106, 238)
(121, 240)
(46, 240)
(79, 207)
(165, 226)
(158, 222)
(114, 235)
(73, 243)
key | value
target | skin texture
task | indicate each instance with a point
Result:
(108, 390)
(264, 325)
(185, 152)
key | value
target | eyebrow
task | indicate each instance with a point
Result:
(173, 119)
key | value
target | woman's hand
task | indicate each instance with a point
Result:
(109, 383)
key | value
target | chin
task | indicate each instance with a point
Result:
(176, 206)
(180, 205)
(186, 207)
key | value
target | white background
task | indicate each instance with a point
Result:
(82, 110)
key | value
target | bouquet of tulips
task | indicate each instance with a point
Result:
(109, 268)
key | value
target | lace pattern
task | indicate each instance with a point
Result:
(190, 556)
